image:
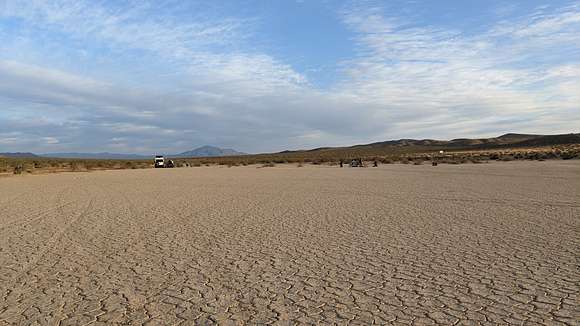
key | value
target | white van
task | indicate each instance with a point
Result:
(159, 161)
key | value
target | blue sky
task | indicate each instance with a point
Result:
(168, 76)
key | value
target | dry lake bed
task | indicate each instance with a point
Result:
(472, 244)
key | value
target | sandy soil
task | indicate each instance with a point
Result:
(468, 244)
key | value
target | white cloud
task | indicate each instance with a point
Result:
(132, 25)
(447, 76)
(50, 140)
(9, 140)
(196, 46)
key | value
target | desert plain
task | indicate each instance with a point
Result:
(473, 244)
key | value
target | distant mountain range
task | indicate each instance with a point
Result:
(510, 140)
(204, 151)
(503, 140)
(103, 155)
(17, 155)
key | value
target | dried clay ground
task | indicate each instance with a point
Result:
(486, 244)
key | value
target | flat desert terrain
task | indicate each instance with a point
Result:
(485, 244)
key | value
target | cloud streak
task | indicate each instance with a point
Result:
(449, 77)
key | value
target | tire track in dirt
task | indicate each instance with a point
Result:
(30, 218)
(55, 238)
(19, 243)
(134, 302)
(21, 279)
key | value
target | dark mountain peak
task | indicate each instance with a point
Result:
(208, 151)
(207, 147)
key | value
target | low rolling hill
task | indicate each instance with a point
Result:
(396, 148)
(414, 145)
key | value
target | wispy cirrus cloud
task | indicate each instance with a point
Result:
(137, 25)
(447, 75)
(201, 46)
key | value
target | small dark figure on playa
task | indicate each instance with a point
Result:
(375, 163)
(340, 163)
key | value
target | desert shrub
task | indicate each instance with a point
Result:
(268, 165)
(90, 165)
(405, 160)
(568, 155)
(300, 165)
(417, 162)
(18, 169)
(507, 158)
(77, 166)
(530, 156)
(386, 161)
(542, 156)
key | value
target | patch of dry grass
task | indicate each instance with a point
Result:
(50, 165)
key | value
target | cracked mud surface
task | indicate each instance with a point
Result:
(469, 244)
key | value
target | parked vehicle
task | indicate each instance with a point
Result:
(159, 161)
(358, 163)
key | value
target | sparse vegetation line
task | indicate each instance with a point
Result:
(414, 156)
